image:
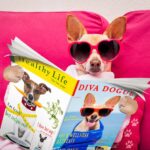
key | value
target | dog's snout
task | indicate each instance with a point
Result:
(30, 96)
(93, 117)
(95, 65)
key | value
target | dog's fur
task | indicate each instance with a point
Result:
(77, 32)
(94, 117)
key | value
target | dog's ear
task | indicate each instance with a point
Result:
(25, 77)
(40, 136)
(117, 28)
(45, 138)
(43, 88)
(112, 101)
(89, 100)
(75, 28)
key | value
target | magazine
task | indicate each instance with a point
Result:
(49, 109)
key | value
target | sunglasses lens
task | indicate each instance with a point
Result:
(108, 49)
(80, 52)
(104, 112)
(87, 111)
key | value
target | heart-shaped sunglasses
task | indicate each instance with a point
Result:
(107, 49)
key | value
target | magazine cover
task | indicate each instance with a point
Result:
(35, 105)
(93, 118)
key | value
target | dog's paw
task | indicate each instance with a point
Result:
(13, 73)
(128, 105)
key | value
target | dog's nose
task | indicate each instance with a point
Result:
(95, 65)
(30, 96)
(93, 116)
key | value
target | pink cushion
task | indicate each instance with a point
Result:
(134, 59)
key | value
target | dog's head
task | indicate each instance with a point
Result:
(33, 90)
(95, 60)
(94, 112)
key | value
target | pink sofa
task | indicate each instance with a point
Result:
(46, 33)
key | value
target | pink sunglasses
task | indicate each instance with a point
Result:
(107, 49)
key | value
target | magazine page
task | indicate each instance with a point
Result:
(19, 48)
(94, 116)
(36, 105)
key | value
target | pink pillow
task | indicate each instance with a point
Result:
(134, 59)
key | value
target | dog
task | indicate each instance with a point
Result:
(41, 142)
(92, 112)
(93, 53)
(28, 104)
(91, 64)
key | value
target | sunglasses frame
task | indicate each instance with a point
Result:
(95, 110)
(94, 47)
